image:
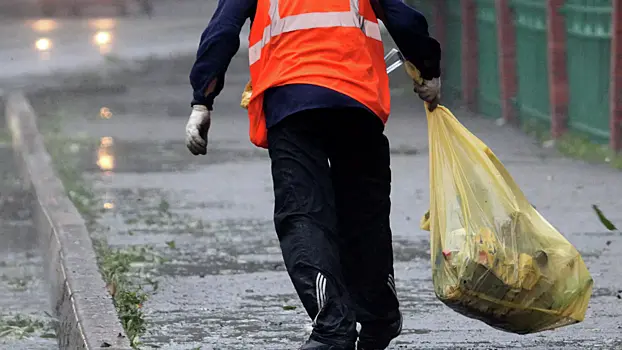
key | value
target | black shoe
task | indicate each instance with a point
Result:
(375, 337)
(316, 345)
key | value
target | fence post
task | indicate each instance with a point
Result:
(440, 16)
(469, 54)
(558, 75)
(616, 74)
(506, 40)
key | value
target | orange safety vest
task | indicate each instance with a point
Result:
(334, 44)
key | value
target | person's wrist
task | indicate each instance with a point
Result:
(199, 108)
(208, 103)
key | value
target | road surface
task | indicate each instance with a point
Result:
(33, 46)
(224, 286)
(24, 305)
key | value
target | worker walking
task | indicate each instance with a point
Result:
(319, 105)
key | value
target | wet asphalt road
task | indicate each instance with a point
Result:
(224, 286)
(47, 46)
(32, 46)
(24, 305)
(35, 52)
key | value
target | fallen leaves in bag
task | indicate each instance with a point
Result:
(494, 257)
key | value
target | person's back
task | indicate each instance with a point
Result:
(336, 46)
(319, 103)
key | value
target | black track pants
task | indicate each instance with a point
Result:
(332, 181)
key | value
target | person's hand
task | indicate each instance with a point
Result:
(196, 130)
(429, 91)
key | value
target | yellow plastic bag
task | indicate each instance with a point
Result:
(494, 257)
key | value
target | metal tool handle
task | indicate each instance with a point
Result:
(396, 64)
(410, 68)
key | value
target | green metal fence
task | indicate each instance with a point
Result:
(489, 95)
(532, 99)
(588, 58)
(423, 6)
(452, 53)
(588, 24)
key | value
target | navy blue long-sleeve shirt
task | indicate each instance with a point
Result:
(221, 40)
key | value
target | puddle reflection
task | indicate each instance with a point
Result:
(103, 40)
(105, 156)
(105, 113)
(106, 162)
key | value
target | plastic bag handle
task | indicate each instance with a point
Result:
(414, 73)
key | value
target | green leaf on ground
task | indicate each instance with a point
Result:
(5, 136)
(22, 326)
(17, 284)
(608, 224)
(289, 307)
(164, 206)
(171, 244)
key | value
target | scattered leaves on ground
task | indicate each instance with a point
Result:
(574, 144)
(22, 326)
(124, 270)
(18, 284)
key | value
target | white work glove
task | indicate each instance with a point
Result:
(196, 130)
(429, 91)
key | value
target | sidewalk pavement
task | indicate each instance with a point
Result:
(223, 285)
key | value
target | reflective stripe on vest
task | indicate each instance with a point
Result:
(278, 25)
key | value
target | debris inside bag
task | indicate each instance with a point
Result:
(512, 291)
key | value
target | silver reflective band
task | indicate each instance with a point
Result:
(396, 64)
(278, 25)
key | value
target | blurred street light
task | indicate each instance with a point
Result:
(102, 23)
(43, 44)
(44, 25)
(102, 38)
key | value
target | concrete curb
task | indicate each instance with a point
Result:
(87, 317)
